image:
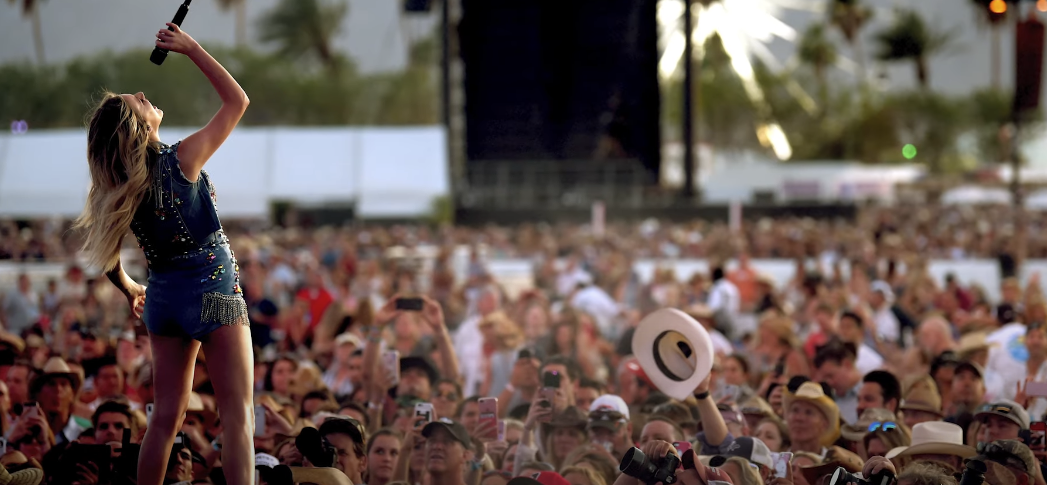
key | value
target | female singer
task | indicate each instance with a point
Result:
(163, 195)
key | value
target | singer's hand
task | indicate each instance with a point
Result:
(176, 40)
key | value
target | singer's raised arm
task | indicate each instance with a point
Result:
(197, 148)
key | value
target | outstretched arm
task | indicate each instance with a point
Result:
(197, 148)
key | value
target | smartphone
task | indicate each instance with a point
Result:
(1038, 436)
(410, 304)
(728, 393)
(489, 410)
(551, 380)
(148, 413)
(391, 361)
(1036, 389)
(781, 463)
(423, 413)
(501, 430)
(259, 420)
(550, 383)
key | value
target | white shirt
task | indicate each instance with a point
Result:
(724, 296)
(868, 360)
(596, 302)
(469, 345)
(1008, 356)
(887, 326)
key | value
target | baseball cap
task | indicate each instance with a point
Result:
(543, 478)
(458, 432)
(749, 448)
(1005, 409)
(971, 366)
(610, 402)
(1011, 454)
(344, 425)
(266, 460)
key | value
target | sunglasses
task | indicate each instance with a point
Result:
(996, 408)
(884, 426)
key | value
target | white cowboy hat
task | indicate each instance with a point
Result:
(936, 438)
(674, 350)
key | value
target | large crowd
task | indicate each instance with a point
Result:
(884, 370)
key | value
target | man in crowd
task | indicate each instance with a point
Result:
(448, 452)
(879, 389)
(835, 364)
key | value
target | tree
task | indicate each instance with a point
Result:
(849, 16)
(303, 27)
(31, 9)
(910, 39)
(817, 51)
(240, 7)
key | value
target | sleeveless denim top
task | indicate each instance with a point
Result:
(178, 216)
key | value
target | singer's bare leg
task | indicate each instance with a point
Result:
(173, 365)
(230, 364)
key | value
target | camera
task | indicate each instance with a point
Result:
(637, 465)
(974, 473)
(843, 477)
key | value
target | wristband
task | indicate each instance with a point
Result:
(702, 395)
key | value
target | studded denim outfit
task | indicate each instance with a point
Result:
(194, 281)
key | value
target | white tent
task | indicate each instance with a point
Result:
(385, 172)
(974, 195)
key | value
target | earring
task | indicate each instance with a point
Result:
(148, 128)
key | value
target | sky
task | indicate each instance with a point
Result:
(375, 35)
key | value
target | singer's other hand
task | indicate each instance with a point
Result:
(176, 40)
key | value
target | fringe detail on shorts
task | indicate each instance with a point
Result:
(224, 309)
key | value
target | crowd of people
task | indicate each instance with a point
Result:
(369, 365)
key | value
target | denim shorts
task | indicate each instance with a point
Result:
(194, 294)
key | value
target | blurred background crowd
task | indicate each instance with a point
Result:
(903, 359)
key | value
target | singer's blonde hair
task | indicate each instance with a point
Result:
(119, 155)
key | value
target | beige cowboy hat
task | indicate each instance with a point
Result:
(935, 438)
(27, 476)
(973, 342)
(13, 341)
(812, 392)
(56, 367)
(320, 476)
(922, 399)
(857, 431)
(674, 350)
(196, 406)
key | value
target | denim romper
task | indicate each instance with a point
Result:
(194, 284)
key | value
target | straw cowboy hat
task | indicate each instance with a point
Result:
(196, 406)
(28, 476)
(935, 438)
(812, 392)
(56, 368)
(973, 342)
(870, 417)
(922, 399)
(14, 342)
(674, 350)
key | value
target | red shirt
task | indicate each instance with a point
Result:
(319, 299)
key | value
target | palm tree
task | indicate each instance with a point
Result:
(303, 27)
(909, 38)
(240, 6)
(995, 22)
(849, 16)
(31, 9)
(817, 51)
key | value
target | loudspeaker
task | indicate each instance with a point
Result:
(1028, 59)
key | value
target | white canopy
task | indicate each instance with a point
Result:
(386, 172)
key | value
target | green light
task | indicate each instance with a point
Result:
(909, 151)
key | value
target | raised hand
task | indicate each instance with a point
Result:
(175, 40)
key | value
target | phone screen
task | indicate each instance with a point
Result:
(423, 412)
(551, 380)
(391, 361)
(410, 304)
(489, 411)
(781, 463)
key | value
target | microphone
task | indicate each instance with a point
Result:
(158, 55)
